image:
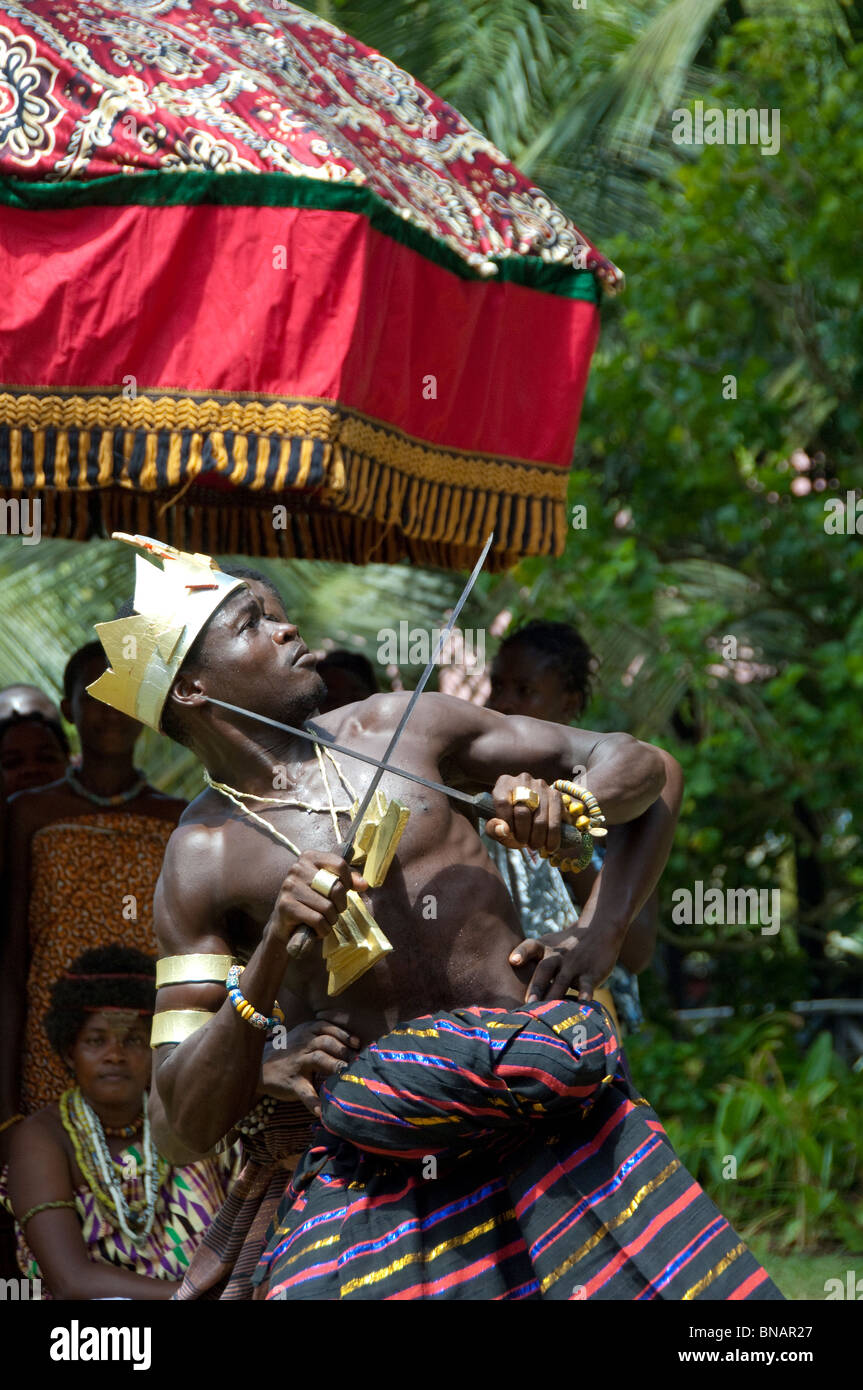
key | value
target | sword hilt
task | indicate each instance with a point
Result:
(570, 838)
(301, 943)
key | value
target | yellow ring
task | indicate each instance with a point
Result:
(324, 882)
(525, 796)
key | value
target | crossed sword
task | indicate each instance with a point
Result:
(481, 802)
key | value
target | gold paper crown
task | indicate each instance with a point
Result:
(172, 605)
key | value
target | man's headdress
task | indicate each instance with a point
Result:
(172, 605)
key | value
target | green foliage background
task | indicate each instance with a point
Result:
(739, 265)
(771, 1130)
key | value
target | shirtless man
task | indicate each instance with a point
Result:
(227, 887)
(516, 1092)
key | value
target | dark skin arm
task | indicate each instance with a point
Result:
(624, 774)
(39, 1172)
(634, 861)
(639, 788)
(211, 1080)
(167, 1143)
(291, 1072)
(640, 940)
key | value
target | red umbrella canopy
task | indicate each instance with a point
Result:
(266, 292)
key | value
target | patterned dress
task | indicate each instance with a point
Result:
(188, 1200)
(92, 880)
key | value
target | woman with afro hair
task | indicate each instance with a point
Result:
(99, 1213)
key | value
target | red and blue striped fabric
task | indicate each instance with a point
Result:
(487, 1154)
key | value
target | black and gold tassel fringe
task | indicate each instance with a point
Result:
(303, 479)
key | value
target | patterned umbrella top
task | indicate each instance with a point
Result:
(101, 87)
(265, 292)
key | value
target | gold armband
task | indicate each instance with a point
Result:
(192, 970)
(175, 1025)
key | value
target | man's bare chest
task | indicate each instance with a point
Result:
(259, 857)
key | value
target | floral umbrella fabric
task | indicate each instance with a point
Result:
(265, 292)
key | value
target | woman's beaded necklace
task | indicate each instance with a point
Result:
(123, 1131)
(94, 1158)
(118, 800)
(240, 798)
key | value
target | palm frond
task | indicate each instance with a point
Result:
(580, 99)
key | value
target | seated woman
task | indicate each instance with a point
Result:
(99, 1214)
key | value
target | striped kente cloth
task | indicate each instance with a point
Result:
(493, 1154)
(223, 1265)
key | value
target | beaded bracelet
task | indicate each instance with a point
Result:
(42, 1206)
(576, 801)
(583, 808)
(258, 1117)
(247, 1011)
(570, 862)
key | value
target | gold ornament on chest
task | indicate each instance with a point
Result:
(356, 942)
(377, 839)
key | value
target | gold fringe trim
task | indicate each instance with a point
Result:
(398, 452)
(351, 489)
(171, 413)
(224, 526)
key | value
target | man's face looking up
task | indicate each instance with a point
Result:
(253, 657)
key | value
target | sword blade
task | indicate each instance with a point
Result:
(345, 847)
(315, 735)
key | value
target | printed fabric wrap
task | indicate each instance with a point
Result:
(81, 870)
(490, 1154)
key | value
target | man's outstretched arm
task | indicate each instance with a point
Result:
(624, 774)
(586, 953)
(639, 789)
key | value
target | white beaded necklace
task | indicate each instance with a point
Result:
(119, 799)
(107, 1170)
